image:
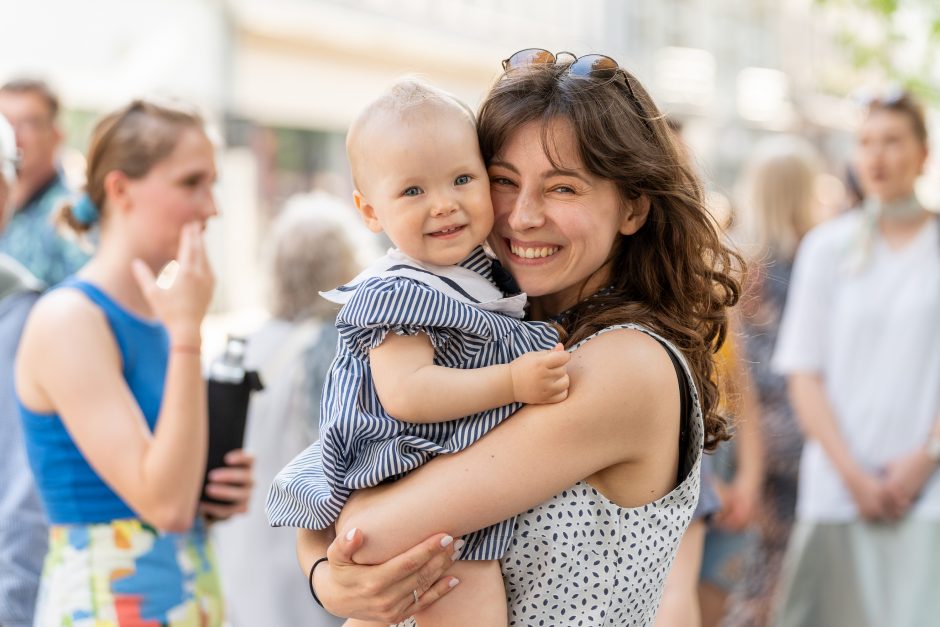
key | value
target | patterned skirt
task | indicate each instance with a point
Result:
(125, 573)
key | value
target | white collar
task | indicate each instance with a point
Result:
(461, 284)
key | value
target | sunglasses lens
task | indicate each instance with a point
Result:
(529, 56)
(893, 96)
(595, 66)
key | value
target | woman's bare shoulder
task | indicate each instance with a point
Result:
(63, 328)
(62, 311)
(626, 355)
(628, 378)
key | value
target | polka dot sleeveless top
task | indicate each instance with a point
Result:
(580, 559)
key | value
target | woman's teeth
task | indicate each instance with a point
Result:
(534, 253)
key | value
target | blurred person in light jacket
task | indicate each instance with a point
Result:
(309, 250)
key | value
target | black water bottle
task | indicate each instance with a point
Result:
(230, 386)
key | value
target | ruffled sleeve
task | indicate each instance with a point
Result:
(404, 307)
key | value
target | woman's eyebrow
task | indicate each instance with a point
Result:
(504, 164)
(197, 172)
(561, 172)
(546, 174)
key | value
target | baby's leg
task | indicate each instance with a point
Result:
(480, 599)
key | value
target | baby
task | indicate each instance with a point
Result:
(432, 354)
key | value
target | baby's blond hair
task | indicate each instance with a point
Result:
(406, 96)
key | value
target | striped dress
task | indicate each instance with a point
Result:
(470, 325)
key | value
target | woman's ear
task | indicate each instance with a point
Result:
(367, 212)
(635, 214)
(116, 190)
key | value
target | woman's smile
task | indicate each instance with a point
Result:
(531, 251)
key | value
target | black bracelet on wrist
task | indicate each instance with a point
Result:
(310, 580)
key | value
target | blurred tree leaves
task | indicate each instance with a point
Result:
(876, 31)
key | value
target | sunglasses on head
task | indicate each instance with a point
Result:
(889, 98)
(589, 66)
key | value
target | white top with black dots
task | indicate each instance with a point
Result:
(580, 559)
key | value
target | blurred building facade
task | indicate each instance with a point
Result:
(282, 79)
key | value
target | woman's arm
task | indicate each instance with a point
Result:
(623, 408)
(71, 360)
(818, 421)
(377, 593)
(908, 473)
(411, 388)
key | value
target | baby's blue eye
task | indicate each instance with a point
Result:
(463, 179)
(414, 190)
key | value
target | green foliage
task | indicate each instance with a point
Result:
(879, 54)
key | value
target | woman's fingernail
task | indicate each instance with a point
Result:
(445, 541)
(453, 582)
(458, 547)
(350, 534)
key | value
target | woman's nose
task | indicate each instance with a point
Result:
(526, 213)
(211, 208)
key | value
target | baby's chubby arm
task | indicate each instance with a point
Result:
(413, 389)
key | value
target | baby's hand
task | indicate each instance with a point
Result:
(540, 377)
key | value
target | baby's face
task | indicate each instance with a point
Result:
(425, 185)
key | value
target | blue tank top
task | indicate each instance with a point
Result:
(71, 490)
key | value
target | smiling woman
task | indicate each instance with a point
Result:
(605, 229)
(575, 216)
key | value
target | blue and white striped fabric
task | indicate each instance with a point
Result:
(360, 444)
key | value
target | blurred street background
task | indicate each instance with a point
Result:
(768, 97)
(281, 79)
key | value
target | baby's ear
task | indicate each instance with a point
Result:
(367, 212)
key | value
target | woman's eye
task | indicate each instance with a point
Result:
(564, 189)
(500, 180)
(463, 179)
(414, 190)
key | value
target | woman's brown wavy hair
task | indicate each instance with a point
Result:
(674, 275)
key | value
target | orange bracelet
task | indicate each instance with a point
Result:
(183, 348)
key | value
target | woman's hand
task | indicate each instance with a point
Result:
(385, 592)
(871, 496)
(233, 483)
(182, 306)
(905, 478)
(740, 502)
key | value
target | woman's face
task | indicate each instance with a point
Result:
(554, 227)
(176, 191)
(889, 156)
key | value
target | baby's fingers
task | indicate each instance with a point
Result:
(555, 358)
(561, 383)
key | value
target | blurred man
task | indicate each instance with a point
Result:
(22, 520)
(31, 108)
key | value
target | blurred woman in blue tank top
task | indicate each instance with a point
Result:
(111, 391)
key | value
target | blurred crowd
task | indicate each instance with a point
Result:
(829, 499)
